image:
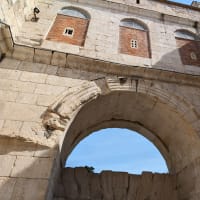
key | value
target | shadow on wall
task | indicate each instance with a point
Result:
(25, 169)
(186, 58)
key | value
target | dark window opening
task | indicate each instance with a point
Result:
(137, 1)
(69, 32)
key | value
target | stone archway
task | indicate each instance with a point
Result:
(144, 106)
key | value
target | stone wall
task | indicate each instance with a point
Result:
(25, 167)
(43, 91)
(102, 39)
(79, 184)
(41, 81)
(161, 19)
(16, 12)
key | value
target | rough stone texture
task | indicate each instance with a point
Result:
(161, 19)
(117, 185)
(57, 94)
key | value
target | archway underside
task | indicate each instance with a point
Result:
(157, 121)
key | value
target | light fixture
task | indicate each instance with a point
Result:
(35, 12)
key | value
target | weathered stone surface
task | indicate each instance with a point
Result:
(116, 185)
(82, 178)
(33, 77)
(70, 185)
(95, 186)
(9, 63)
(6, 187)
(6, 164)
(32, 167)
(134, 186)
(32, 67)
(21, 112)
(43, 56)
(120, 185)
(106, 181)
(23, 53)
(94, 87)
(59, 59)
(29, 189)
(27, 98)
(49, 89)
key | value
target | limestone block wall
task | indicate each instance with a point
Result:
(79, 183)
(27, 156)
(16, 12)
(102, 39)
(25, 167)
(33, 79)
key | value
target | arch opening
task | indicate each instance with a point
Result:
(117, 149)
(153, 118)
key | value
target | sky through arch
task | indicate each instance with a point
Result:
(117, 150)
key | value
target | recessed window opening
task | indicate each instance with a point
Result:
(134, 44)
(117, 149)
(74, 12)
(185, 35)
(130, 23)
(68, 32)
(138, 1)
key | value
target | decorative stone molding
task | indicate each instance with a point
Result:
(59, 113)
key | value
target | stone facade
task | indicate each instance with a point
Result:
(54, 94)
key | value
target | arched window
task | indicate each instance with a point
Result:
(70, 26)
(189, 47)
(74, 12)
(134, 38)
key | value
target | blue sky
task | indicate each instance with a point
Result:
(184, 1)
(117, 150)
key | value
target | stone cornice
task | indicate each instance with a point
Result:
(64, 60)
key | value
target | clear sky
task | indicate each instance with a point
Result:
(119, 150)
(184, 1)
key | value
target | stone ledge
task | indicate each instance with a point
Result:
(47, 57)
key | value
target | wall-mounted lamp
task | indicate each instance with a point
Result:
(35, 12)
